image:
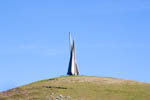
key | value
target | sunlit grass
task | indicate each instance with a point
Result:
(82, 88)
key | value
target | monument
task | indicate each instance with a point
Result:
(73, 68)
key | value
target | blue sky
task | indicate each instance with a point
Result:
(112, 39)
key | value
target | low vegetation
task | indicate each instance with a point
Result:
(80, 88)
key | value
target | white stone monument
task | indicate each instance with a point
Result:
(73, 69)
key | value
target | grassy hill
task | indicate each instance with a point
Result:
(80, 88)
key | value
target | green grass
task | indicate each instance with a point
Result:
(80, 88)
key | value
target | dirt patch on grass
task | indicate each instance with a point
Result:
(101, 80)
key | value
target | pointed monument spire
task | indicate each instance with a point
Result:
(73, 69)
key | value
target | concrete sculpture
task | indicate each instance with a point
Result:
(72, 69)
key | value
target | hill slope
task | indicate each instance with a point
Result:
(80, 88)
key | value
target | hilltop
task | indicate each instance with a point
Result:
(80, 88)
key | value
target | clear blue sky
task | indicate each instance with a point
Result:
(112, 39)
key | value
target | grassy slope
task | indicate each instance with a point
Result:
(80, 88)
